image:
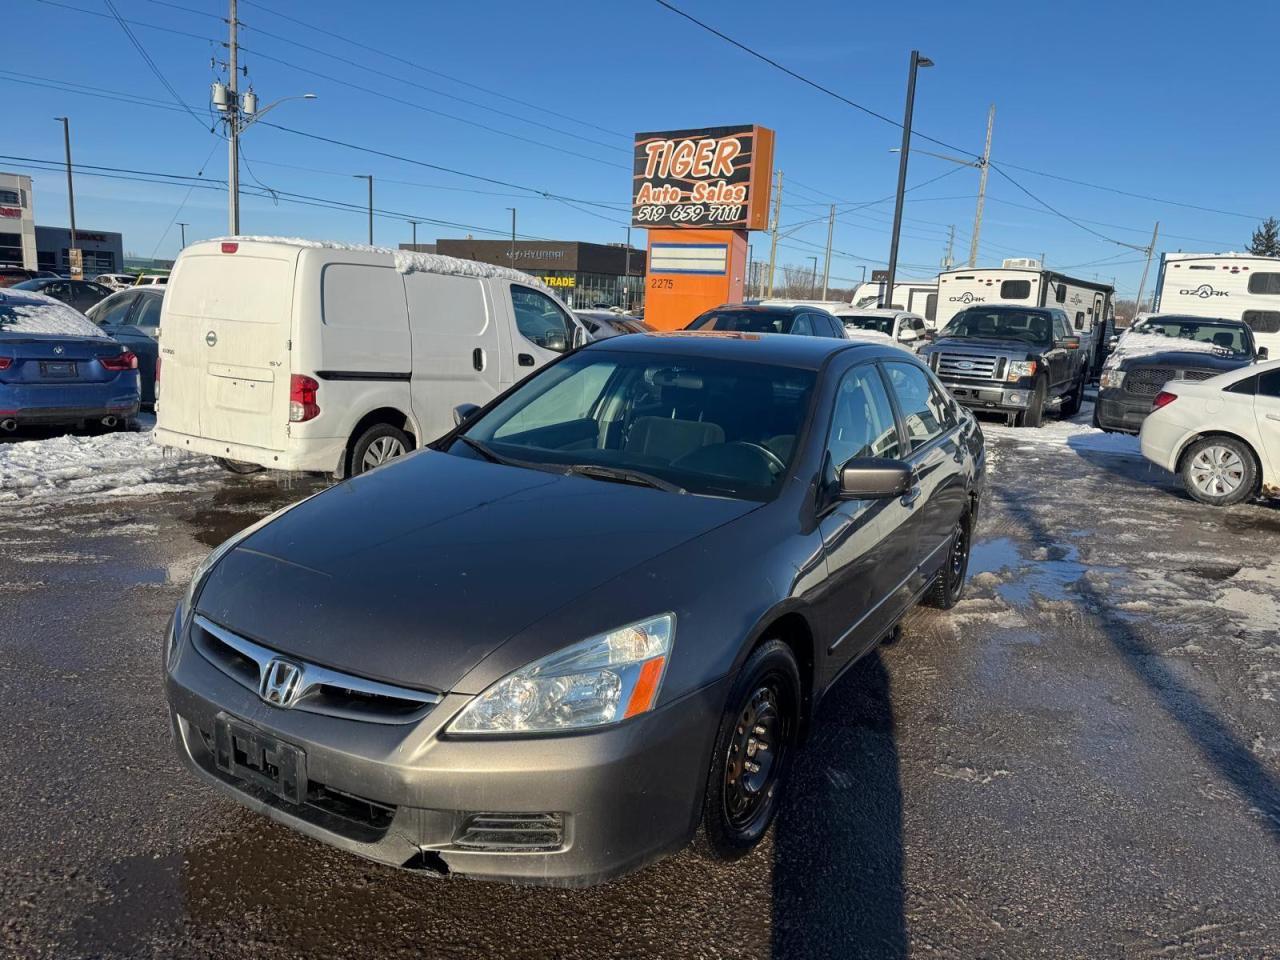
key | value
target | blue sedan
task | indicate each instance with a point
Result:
(57, 368)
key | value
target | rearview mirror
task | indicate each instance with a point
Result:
(1069, 343)
(1263, 353)
(874, 478)
(464, 412)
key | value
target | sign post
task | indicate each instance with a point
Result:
(697, 193)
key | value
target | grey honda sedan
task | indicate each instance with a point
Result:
(596, 615)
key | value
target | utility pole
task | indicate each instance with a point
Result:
(773, 245)
(75, 263)
(948, 261)
(826, 267)
(626, 280)
(813, 278)
(917, 61)
(1150, 253)
(414, 242)
(982, 188)
(233, 125)
(183, 227)
(513, 236)
(368, 177)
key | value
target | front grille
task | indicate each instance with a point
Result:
(512, 832)
(1148, 381)
(1198, 374)
(319, 689)
(970, 366)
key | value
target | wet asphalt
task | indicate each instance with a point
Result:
(1081, 760)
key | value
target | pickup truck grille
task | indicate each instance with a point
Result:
(1148, 381)
(970, 366)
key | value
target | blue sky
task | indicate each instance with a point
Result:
(1167, 100)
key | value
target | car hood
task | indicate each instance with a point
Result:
(1190, 359)
(415, 572)
(982, 345)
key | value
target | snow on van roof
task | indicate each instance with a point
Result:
(406, 261)
(30, 313)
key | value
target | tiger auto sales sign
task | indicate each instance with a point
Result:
(713, 178)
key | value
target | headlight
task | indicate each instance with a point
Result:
(1021, 368)
(1111, 378)
(601, 680)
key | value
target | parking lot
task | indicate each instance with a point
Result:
(1081, 760)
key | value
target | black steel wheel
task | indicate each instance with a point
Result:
(753, 751)
(948, 588)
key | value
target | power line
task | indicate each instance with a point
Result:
(1116, 226)
(1059, 213)
(151, 64)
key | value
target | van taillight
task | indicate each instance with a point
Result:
(1163, 399)
(302, 399)
(121, 361)
(230, 247)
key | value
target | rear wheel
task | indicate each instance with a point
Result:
(379, 444)
(1034, 414)
(1219, 471)
(948, 588)
(753, 752)
(238, 466)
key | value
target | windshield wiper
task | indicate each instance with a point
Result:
(484, 450)
(619, 475)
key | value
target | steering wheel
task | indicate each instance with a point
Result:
(776, 466)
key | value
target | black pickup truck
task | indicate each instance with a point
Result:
(1011, 360)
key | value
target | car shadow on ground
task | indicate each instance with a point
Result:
(837, 866)
(1219, 745)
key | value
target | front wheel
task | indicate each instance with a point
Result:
(752, 754)
(1034, 414)
(1219, 471)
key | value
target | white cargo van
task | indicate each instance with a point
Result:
(301, 355)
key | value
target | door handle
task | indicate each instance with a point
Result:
(1273, 416)
(525, 360)
(477, 358)
(910, 497)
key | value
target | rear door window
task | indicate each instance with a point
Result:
(148, 316)
(116, 310)
(803, 327)
(1269, 383)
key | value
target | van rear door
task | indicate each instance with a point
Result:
(225, 343)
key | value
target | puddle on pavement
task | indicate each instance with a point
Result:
(1049, 572)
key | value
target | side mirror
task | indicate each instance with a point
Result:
(874, 478)
(464, 412)
(580, 336)
(907, 335)
(1069, 343)
(555, 341)
(1263, 353)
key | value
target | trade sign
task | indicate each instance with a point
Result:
(715, 177)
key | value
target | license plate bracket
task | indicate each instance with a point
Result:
(260, 759)
(57, 368)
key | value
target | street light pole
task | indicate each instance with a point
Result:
(982, 189)
(76, 269)
(513, 235)
(183, 227)
(917, 61)
(414, 242)
(826, 265)
(368, 177)
(626, 280)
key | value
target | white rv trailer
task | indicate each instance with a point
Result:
(914, 296)
(1024, 282)
(1231, 286)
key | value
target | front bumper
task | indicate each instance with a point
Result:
(990, 395)
(1121, 411)
(623, 795)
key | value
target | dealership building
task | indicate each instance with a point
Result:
(581, 273)
(23, 243)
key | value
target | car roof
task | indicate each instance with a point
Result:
(768, 308)
(1187, 318)
(784, 349)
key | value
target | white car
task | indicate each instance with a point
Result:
(116, 281)
(905, 329)
(1221, 435)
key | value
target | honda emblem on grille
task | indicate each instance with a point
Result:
(964, 365)
(280, 682)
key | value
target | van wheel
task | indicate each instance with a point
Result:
(1219, 471)
(238, 466)
(752, 752)
(1034, 414)
(377, 445)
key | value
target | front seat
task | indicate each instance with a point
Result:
(667, 440)
(1224, 339)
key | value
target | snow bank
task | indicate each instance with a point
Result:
(1069, 433)
(111, 464)
(406, 261)
(31, 313)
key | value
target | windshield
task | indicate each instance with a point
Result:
(1228, 336)
(998, 324)
(878, 324)
(746, 321)
(708, 426)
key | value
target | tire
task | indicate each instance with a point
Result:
(740, 804)
(1033, 416)
(238, 466)
(379, 444)
(1071, 406)
(1219, 471)
(948, 586)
